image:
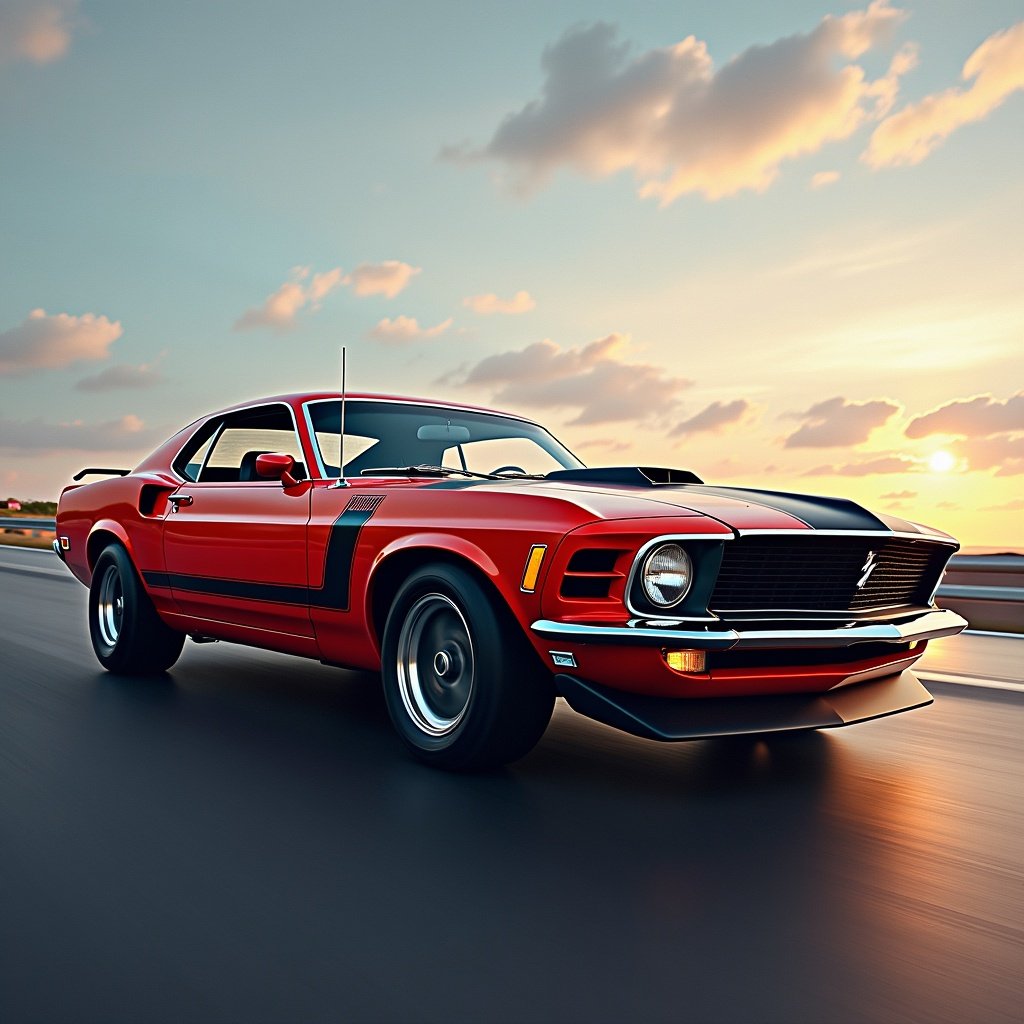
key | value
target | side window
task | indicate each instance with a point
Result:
(192, 457)
(245, 436)
(197, 460)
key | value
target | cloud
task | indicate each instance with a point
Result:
(713, 418)
(1004, 453)
(899, 495)
(35, 30)
(126, 434)
(883, 464)
(823, 178)
(947, 505)
(591, 379)
(115, 378)
(907, 137)
(681, 125)
(302, 290)
(44, 342)
(406, 328)
(387, 278)
(608, 443)
(838, 422)
(485, 305)
(980, 416)
(1013, 505)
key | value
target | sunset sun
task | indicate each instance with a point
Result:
(941, 462)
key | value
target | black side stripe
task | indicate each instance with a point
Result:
(334, 592)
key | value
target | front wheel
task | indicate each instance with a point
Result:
(463, 688)
(127, 634)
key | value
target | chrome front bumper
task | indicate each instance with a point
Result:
(925, 625)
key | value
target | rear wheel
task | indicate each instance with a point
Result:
(127, 634)
(463, 688)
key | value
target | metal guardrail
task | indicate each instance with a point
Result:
(988, 590)
(26, 523)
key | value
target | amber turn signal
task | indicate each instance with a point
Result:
(533, 564)
(686, 661)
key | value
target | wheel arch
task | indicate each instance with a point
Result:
(398, 561)
(104, 533)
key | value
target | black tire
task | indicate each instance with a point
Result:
(464, 689)
(127, 634)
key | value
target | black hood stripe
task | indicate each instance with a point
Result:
(817, 513)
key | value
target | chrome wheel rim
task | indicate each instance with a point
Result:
(436, 665)
(110, 607)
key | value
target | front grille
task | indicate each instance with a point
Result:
(821, 574)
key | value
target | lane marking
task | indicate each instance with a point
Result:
(927, 676)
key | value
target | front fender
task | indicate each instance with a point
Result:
(446, 544)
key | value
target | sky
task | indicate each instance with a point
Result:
(781, 245)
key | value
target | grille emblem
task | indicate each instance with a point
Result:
(867, 569)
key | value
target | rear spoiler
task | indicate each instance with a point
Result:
(99, 471)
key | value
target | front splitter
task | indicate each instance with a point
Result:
(671, 718)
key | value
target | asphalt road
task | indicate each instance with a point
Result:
(244, 840)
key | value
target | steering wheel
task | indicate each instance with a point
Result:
(507, 469)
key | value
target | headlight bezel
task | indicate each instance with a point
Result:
(705, 549)
(686, 568)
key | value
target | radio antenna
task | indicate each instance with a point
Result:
(342, 482)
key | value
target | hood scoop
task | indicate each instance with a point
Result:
(635, 476)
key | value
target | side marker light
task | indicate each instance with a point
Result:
(533, 563)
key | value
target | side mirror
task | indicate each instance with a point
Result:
(276, 466)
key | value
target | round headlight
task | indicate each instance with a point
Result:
(667, 574)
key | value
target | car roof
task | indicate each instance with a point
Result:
(298, 398)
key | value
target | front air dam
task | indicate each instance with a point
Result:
(671, 718)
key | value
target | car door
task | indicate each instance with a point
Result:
(235, 546)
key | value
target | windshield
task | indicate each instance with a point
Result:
(390, 435)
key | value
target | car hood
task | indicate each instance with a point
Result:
(739, 508)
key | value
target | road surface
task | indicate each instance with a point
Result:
(244, 840)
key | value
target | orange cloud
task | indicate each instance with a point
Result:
(125, 434)
(980, 416)
(1003, 453)
(683, 126)
(35, 30)
(280, 310)
(592, 379)
(712, 418)
(387, 278)
(406, 328)
(42, 341)
(115, 378)
(485, 305)
(884, 464)
(907, 137)
(823, 178)
(608, 443)
(837, 422)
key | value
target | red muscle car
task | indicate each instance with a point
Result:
(483, 570)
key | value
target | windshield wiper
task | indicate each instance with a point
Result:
(424, 471)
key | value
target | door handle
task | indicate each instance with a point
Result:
(180, 499)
